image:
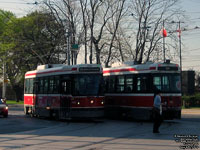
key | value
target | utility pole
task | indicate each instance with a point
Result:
(4, 82)
(179, 30)
(68, 47)
(180, 51)
(68, 35)
(179, 36)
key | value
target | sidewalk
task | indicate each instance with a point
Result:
(194, 111)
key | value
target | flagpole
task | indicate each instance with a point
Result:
(163, 41)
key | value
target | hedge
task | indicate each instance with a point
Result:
(191, 100)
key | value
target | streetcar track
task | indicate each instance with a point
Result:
(116, 138)
(31, 137)
(93, 143)
(55, 133)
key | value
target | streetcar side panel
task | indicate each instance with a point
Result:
(55, 92)
(130, 90)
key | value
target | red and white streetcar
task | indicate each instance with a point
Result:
(130, 90)
(63, 91)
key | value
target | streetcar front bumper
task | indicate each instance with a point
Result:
(171, 113)
(87, 112)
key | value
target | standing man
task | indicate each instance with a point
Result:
(157, 111)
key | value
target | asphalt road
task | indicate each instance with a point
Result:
(24, 133)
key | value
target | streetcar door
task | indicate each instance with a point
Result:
(65, 99)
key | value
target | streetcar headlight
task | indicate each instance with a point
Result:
(78, 103)
(91, 101)
(6, 107)
(48, 108)
(102, 102)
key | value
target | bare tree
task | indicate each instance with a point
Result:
(117, 17)
(149, 15)
(83, 4)
(98, 11)
(100, 26)
(67, 13)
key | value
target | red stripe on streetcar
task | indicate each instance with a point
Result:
(119, 70)
(74, 69)
(31, 74)
(152, 68)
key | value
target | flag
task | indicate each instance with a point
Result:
(179, 32)
(164, 32)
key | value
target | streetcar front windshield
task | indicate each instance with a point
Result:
(167, 82)
(88, 84)
(175, 83)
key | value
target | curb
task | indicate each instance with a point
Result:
(15, 105)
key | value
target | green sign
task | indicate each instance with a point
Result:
(75, 46)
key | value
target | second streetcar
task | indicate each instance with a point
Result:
(130, 90)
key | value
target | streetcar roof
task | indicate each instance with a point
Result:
(57, 69)
(128, 68)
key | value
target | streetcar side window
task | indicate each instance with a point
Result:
(46, 85)
(56, 84)
(142, 83)
(165, 83)
(36, 86)
(51, 85)
(106, 79)
(129, 84)
(111, 84)
(31, 83)
(157, 82)
(40, 85)
(120, 84)
(66, 87)
(66, 84)
(29, 86)
(26, 86)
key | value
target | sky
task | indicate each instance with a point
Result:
(18, 7)
(190, 37)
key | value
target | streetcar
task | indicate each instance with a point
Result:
(130, 90)
(64, 92)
